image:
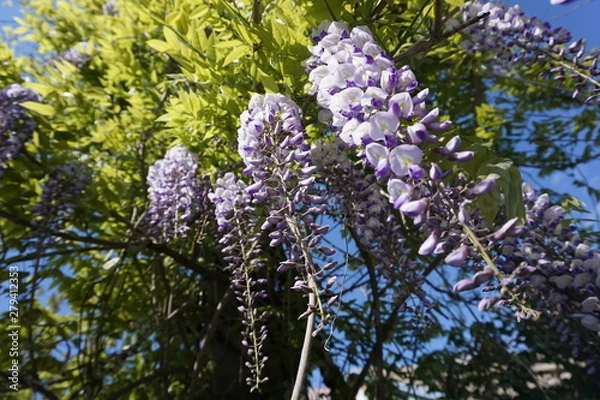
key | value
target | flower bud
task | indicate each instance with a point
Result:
(429, 244)
(463, 285)
(487, 303)
(414, 208)
(502, 232)
(458, 256)
(435, 172)
(482, 277)
(483, 186)
(326, 250)
(463, 215)
(452, 146)
(461, 156)
(590, 304)
(591, 322)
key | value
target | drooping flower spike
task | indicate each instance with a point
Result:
(177, 196)
(16, 125)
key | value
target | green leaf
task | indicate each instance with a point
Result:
(43, 109)
(268, 83)
(159, 45)
(228, 44)
(508, 183)
(236, 54)
(456, 3)
(111, 263)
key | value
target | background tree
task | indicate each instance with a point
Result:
(131, 283)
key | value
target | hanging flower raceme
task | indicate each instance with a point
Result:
(512, 37)
(543, 267)
(369, 216)
(358, 197)
(16, 126)
(375, 108)
(63, 188)
(240, 235)
(273, 145)
(178, 198)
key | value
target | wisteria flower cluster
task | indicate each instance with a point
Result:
(237, 223)
(178, 198)
(16, 126)
(376, 108)
(63, 189)
(544, 267)
(273, 145)
(364, 208)
(380, 171)
(76, 55)
(513, 37)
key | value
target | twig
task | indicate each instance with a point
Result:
(423, 44)
(148, 378)
(379, 334)
(437, 27)
(212, 327)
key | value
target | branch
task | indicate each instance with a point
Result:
(36, 255)
(302, 365)
(15, 219)
(423, 45)
(437, 27)
(386, 328)
(148, 378)
(377, 352)
(210, 332)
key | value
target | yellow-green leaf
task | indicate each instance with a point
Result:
(457, 3)
(229, 43)
(43, 109)
(236, 54)
(159, 45)
(268, 83)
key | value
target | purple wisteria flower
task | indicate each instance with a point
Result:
(16, 126)
(240, 235)
(377, 109)
(177, 196)
(368, 214)
(76, 55)
(510, 36)
(62, 190)
(109, 8)
(273, 147)
(272, 143)
(543, 266)
(228, 196)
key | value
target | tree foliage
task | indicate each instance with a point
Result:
(110, 306)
